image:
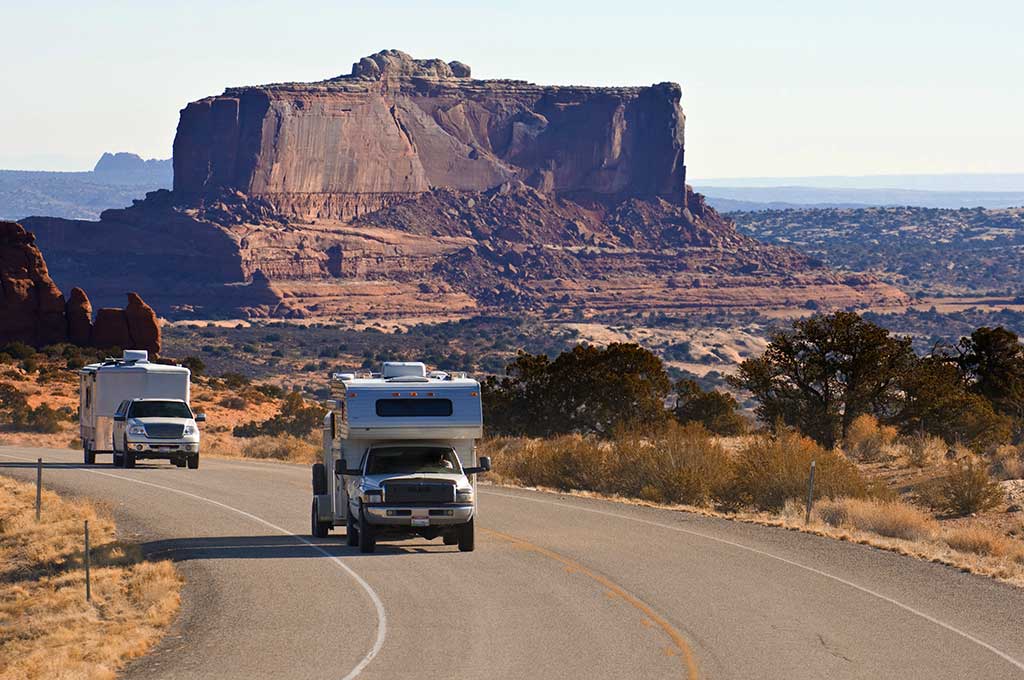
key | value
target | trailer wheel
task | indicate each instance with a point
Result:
(466, 536)
(118, 459)
(129, 457)
(317, 528)
(367, 541)
(319, 479)
(89, 455)
(351, 530)
(193, 461)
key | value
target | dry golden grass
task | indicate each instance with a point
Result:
(983, 541)
(47, 629)
(892, 519)
(281, 447)
(867, 440)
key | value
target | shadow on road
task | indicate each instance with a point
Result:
(274, 547)
(81, 466)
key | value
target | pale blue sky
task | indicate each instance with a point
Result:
(769, 88)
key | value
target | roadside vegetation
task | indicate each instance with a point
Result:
(47, 629)
(920, 454)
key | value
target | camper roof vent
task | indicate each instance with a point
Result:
(403, 369)
(135, 355)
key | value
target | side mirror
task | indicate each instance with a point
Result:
(485, 466)
(200, 417)
(119, 419)
(340, 469)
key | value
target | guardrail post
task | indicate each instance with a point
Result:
(39, 487)
(810, 495)
(88, 589)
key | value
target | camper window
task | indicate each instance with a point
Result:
(414, 408)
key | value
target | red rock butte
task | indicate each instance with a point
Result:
(409, 188)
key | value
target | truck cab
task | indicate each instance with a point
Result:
(156, 428)
(400, 457)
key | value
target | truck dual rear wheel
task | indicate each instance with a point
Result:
(351, 530)
(367, 541)
(466, 536)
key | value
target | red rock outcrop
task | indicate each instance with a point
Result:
(79, 316)
(31, 305)
(398, 126)
(33, 310)
(409, 188)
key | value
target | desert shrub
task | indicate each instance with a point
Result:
(294, 418)
(194, 364)
(234, 402)
(868, 441)
(272, 391)
(893, 519)
(566, 462)
(717, 411)
(235, 381)
(773, 468)
(30, 364)
(682, 464)
(965, 489)
(281, 447)
(983, 541)
(1008, 462)
(923, 449)
(19, 350)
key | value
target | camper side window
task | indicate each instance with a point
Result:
(88, 397)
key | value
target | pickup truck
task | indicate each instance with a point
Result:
(411, 487)
(156, 428)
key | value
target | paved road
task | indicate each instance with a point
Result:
(558, 587)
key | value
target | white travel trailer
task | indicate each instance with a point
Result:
(400, 456)
(103, 387)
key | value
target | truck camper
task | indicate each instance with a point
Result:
(399, 457)
(133, 409)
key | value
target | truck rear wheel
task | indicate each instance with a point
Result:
(466, 536)
(367, 541)
(351, 529)
(317, 528)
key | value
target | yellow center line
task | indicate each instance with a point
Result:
(573, 567)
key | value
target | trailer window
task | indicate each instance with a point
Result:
(414, 408)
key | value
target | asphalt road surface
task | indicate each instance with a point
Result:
(558, 587)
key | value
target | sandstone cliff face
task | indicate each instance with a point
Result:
(408, 188)
(397, 127)
(33, 310)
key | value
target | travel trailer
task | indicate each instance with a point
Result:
(399, 457)
(136, 409)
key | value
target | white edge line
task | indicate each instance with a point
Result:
(953, 629)
(382, 622)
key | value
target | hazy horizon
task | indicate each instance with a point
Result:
(882, 88)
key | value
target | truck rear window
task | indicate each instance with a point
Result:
(414, 408)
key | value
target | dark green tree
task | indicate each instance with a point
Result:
(992, 361)
(825, 372)
(716, 411)
(588, 390)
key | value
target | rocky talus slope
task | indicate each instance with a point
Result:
(409, 188)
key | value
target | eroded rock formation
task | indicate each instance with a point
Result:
(409, 188)
(33, 310)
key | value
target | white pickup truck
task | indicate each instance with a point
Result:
(400, 457)
(156, 428)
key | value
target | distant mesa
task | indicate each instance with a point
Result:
(407, 187)
(33, 310)
(129, 168)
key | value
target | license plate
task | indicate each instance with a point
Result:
(421, 521)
